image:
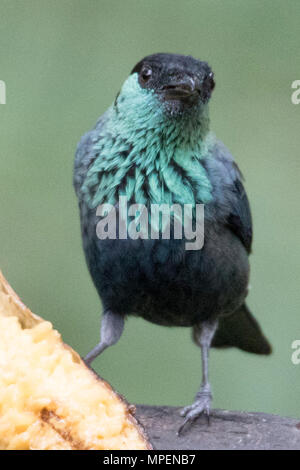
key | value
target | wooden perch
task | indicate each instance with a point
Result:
(227, 430)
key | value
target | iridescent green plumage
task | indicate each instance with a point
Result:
(146, 157)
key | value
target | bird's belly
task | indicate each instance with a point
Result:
(165, 283)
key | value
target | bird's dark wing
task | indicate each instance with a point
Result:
(230, 195)
(86, 154)
(240, 220)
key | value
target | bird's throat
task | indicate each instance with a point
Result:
(149, 157)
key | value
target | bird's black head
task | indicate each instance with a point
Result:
(179, 81)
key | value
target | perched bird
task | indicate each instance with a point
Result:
(154, 146)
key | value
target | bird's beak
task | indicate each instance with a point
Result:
(185, 89)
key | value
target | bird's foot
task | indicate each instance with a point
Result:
(200, 406)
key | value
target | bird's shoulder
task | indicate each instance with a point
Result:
(230, 201)
(86, 152)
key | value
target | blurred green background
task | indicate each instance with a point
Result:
(63, 63)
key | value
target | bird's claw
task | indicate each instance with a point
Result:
(192, 412)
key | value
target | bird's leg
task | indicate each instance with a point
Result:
(112, 326)
(203, 335)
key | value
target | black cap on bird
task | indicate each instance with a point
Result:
(176, 77)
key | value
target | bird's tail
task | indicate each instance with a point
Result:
(241, 330)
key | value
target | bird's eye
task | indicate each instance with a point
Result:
(146, 73)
